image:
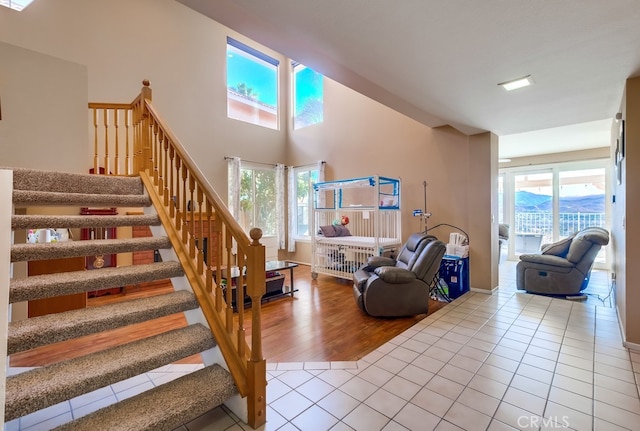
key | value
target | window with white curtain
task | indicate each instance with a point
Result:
(304, 177)
(258, 198)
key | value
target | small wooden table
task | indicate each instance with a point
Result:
(270, 267)
(281, 265)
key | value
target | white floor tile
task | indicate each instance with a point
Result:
(498, 362)
(385, 402)
(416, 374)
(364, 418)
(375, 375)
(467, 418)
(478, 401)
(358, 388)
(338, 403)
(525, 400)
(432, 401)
(413, 417)
(617, 416)
(571, 400)
(630, 403)
(402, 387)
(291, 405)
(573, 385)
(314, 419)
(314, 389)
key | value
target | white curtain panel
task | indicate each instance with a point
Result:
(233, 197)
(321, 196)
(292, 198)
(233, 178)
(280, 225)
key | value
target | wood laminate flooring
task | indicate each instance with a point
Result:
(320, 323)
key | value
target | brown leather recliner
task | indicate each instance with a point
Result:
(564, 267)
(387, 287)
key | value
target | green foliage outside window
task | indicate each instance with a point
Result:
(258, 200)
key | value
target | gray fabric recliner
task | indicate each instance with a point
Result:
(387, 287)
(564, 267)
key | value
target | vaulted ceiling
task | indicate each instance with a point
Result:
(439, 62)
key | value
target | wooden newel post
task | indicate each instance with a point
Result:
(257, 367)
(145, 94)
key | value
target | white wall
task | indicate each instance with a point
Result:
(44, 111)
(182, 53)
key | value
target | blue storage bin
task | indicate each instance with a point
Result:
(454, 271)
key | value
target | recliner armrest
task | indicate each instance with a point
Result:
(546, 259)
(360, 278)
(393, 275)
(374, 262)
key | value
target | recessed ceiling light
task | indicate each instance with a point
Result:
(525, 81)
(504, 160)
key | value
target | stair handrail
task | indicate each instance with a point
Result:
(190, 209)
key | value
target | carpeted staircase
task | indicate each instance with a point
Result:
(165, 407)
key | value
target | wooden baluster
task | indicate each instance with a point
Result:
(154, 149)
(159, 162)
(240, 291)
(229, 263)
(165, 176)
(210, 238)
(200, 233)
(184, 227)
(95, 140)
(218, 264)
(116, 162)
(136, 138)
(172, 182)
(192, 218)
(127, 157)
(106, 141)
(177, 198)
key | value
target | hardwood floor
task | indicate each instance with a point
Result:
(320, 323)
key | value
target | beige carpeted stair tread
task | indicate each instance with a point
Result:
(53, 328)
(59, 250)
(43, 387)
(67, 283)
(24, 198)
(165, 407)
(80, 221)
(40, 180)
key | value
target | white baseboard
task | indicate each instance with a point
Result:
(631, 346)
(485, 291)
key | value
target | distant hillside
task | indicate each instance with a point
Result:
(532, 202)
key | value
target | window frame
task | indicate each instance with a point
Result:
(257, 112)
(297, 68)
(313, 172)
(16, 5)
(248, 166)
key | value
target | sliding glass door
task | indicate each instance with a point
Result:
(533, 211)
(582, 196)
(545, 204)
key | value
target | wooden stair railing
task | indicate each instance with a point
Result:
(132, 139)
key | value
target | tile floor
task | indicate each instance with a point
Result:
(484, 362)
